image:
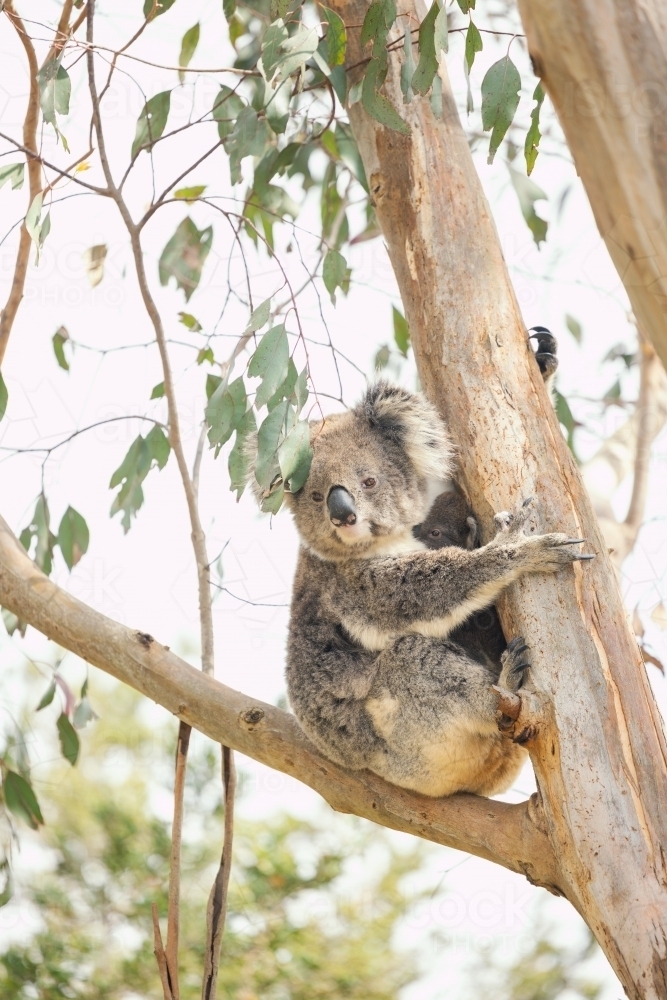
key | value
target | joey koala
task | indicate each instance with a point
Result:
(373, 675)
(450, 521)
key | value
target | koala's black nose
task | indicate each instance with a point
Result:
(417, 530)
(341, 507)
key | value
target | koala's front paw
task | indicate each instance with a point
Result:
(549, 553)
(547, 346)
(509, 525)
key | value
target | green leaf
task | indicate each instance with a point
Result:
(212, 383)
(427, 66)
(248, 138)
(4, 397)
(297, 49)
(13, 172)
(158, 391)
(301, 390)
(158, 447)
(268, 438)
(132, 471)
(466, 5)
(373, 22)
(189, 43)
(228, 9)
(33, 216)
(500, 99)
(151, 122)
(334, 271)
(565, 417)
(276, 106)
(401, 331)
(224, 411)
(474, 44)
(270, 362)
(161, 8)
(441, 32)
(73, 537)
(206, 354)
(184, 256)
(377, 105)
(336, 37)
(227, 106)
(189, 321)
(21, 800)
(47, 697)
(40, 529)
(83, 713)
(274, 36)
(436, 96)
(348, 150)
(239, 456)
(528, 193)
(575, 327)
(407, 67)
(12, 623)
(190, 194)
(259, 316)
(69, 740)
(60, 338)
(285, 390)
(534, 135)
(295, 456)
(55, 88)
(382, 358)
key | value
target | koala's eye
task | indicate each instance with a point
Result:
(317, 497)
(435, 533)
(369, 483)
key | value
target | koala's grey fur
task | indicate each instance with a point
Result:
(373, 675)
(450, 521)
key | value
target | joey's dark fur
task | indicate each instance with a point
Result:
(374, 676)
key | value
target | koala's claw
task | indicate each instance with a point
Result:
(547, 346)
(514, 665)
(512, 523)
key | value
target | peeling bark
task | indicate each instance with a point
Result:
(599, 751)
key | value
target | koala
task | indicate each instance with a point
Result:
(450, 521)
(373, 675)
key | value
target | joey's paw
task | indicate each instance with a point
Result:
(545, 350)
(510, 524)
(551, 552)
(515, 661)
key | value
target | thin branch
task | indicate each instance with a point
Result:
(645, 435)
(51, 166)
(34, 181)
(173, 911)
(160, 957)
(216, 910)
(511, 835)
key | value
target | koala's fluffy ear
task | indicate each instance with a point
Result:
(410, 421)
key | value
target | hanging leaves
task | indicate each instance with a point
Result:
(401, 331)
(473, 45)
(21, 800)
(248, 138)
(407, 67)
(93, 261)
(60, 338)
(225, 410)
(4, 397)
(189, 43)
(378, 20)
(500, 99)
(73, 537)
(55, 88)
(143, 454)
(226, 108)
(441, 32)
(13, 172)
(534, 135)
(335, 273)
(336, 37)
(39, 531)
(268, 439)
(151, 122)
(69, 740)
(160, 8)
(566, 418)
(270, 363)
(295, 456)
(528, 193)
(184, 256)
(38, 228)
(428, 61)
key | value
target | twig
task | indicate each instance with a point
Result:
(34, 181)
(645, 435)
(160, 957)
(216, 910)
(173, 910)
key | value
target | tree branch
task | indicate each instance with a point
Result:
(509, 835)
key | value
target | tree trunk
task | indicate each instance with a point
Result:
(599, 754)
(604, 65)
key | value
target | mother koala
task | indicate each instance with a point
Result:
(372, 676)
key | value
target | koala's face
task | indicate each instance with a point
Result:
(448, 522)
(367, 483)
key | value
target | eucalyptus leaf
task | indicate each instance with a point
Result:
(336, 37)
(533, 136)
(377, 105)
(528, 193)
(270, 361)
(73, 537)
(93, 261)
(184, 256)
(441, 32)
(4, 397)
(21, 800)
(239, 456)
(60, 338)
(427, 66)
(13, 172)
(151, 122)
(334, 271)
(473, 45)
(260, 316)
(500, 100)
(55, 88)
(189, 44)
(268, 438)
(47, 697)
(158, 391)
(401, 331)
(69, 740)
(295, 456)
(227, 106)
